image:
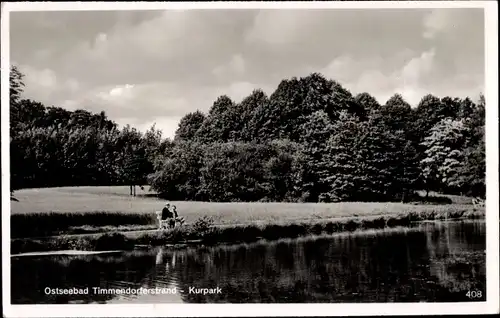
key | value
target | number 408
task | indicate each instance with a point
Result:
(474, 294)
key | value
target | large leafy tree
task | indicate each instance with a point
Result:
(311, 140)
(16, 81)
(16, 84)
(189, 125)
(473, 167)
(397, 113)
(247, 118)
(278, 118)
(217, 126)
(443, 154)
(133, 163)
(240, 178)
(428, 112)
(472, 171)
(314, 134)
(466, 108)
(338, 174)
(367, 102)
(178, 175)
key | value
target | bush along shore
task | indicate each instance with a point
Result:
(203, 231)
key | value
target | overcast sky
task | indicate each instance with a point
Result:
(145, 67)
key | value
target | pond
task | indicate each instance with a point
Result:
(430, 262)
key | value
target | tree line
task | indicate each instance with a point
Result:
(51, 146)
(311, 140)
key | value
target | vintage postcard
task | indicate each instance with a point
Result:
(249, 158)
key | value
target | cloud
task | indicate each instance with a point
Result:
(459, 38)
(367, 32)
(143, 104)
(171, 46)
(453, 24)
(237, 91)
(435, 22)
(44, 85)
(168, 125)
(118, 94)
(101, 37)
(282, 27)
(139, 105)
(45, 78)
(143, 101)
(416, 70)
(346, 68)
(234, 68)
(146, 66)
(415, 78)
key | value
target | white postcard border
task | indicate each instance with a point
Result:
(190, 310)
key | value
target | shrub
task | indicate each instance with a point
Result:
(202, 225)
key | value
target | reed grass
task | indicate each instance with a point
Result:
(48, 224)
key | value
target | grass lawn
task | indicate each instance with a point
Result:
(117, 199)
(73, 210)
(50, 219)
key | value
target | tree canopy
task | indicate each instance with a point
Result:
(310, 140)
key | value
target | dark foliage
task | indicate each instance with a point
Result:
(310, 140)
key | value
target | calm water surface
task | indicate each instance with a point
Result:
(431, 262)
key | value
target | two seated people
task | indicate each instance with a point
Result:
(167, 218)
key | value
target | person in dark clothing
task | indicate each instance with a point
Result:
(166, 213)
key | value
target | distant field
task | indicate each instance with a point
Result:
(117, 199)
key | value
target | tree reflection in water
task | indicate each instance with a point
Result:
(421, 264)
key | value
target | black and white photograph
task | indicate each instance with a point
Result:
(159, 155)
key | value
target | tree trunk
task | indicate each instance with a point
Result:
(131, 190)
(134, 190)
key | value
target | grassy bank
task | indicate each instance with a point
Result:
(86, 210)
(53, 223)
(107, 218)
(204, 230)
(60, 223)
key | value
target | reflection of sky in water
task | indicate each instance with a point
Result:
(363, 267)
(162, 276)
